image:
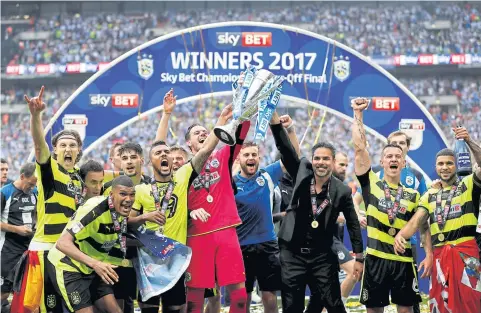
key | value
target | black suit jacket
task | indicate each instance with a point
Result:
(302, 173)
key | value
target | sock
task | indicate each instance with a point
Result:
(154, 309)
(238, 300)
(195, 300)
(128, 305)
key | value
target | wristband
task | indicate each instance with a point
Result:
(290, 126)
(360, 260)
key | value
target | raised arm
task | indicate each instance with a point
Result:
(362, 162)
(289, 157)
(211, 142)
(288, 124)
(36, 107)
(169, 104)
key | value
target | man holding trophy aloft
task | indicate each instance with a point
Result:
(216, 254)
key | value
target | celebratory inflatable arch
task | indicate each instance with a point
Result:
(205, 60)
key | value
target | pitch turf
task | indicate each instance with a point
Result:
(353, 305)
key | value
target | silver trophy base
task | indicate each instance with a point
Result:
(226, 133)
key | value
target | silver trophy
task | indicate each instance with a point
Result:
(263, 83)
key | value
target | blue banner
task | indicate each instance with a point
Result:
(207, 59)
(155, 275)
(160, 264)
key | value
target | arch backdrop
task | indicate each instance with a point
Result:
(205, 60)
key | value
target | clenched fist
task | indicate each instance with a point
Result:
(359, 104)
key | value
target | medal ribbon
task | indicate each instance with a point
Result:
(317, 210)
(392, 209)
(79, 196)
(206, 178)
(119, 228)
(441, 216)
(162, 207)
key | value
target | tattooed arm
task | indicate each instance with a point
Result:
(211, 142)
(362, 161)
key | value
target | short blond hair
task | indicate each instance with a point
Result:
(399, 133)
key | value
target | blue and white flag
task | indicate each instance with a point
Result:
(160, 264)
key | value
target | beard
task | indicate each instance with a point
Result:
(328, 172)
(341, 177)
(246, 169)
(159, 171)
(449, 179)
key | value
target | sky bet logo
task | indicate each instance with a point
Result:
(385, 104)
(115, 100)
(245, 39)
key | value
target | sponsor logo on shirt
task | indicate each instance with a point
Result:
(27, 208)
(76, 227)
(108, 245)
(214, 163)
(455, 211)
(382, 204)
(409, 180)
(214, 178)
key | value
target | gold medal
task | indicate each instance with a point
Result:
(392, 231)
(125, 263)
(441, 237)
(315, 224)
(210, 198)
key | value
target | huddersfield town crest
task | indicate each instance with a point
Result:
(145, 65)
(342, 68)
(51, 301)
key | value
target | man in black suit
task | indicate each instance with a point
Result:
(307, 230)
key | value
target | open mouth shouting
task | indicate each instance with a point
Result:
(164, 165)
(251, 165)
(125, 208)
(68, 159)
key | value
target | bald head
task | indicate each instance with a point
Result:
(341, 163)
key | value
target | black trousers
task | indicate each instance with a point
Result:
(301, 267)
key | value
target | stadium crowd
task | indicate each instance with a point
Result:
(384, 30)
